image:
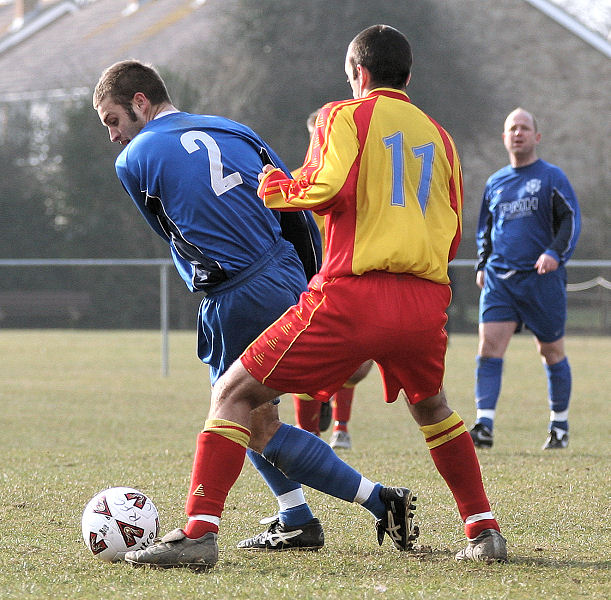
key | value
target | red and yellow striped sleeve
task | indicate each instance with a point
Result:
(330, 157)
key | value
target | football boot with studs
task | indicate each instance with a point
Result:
(175, 549)
(489, 546)
(398, 519)
(556, 440)
(279, 537)
(340, 439)
(481, 435)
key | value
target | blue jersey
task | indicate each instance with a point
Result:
(525, 212)
(194, 179)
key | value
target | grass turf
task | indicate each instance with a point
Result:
(85, 410)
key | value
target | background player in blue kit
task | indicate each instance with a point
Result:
(528, 227)
(194, 179)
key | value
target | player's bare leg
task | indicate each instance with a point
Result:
(227, 434)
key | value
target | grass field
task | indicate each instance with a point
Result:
(82, 411)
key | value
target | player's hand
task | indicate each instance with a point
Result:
(266, 169)
(546, 264)
(480, 277)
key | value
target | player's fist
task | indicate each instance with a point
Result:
(546, 264)
(266, 169)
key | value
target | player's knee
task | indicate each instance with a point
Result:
(551, 352)
(431, 410)
(239, 386)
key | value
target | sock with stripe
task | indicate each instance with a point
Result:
(559, 392)
(292, 507)
(453, 453)
(303, 457)
(219, 457)
(488, 374)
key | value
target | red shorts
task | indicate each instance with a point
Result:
(397, 320)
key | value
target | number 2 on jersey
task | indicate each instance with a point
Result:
(426, 152)
(219, 184)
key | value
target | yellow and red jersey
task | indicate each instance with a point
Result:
(387, 178)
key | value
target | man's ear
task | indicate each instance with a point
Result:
(364, 77)
(140, 100)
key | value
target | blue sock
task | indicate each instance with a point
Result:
(373, 504)
(559, 392)
(488, 373)
(281, 486)
(304, 457)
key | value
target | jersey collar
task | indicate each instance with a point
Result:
(164, 113)
(390, 93)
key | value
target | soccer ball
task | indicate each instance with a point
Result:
(118, 520)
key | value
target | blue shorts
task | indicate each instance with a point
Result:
(537, 301)
(236, 311)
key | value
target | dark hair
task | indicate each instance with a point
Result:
(123, 79)
(385, 53)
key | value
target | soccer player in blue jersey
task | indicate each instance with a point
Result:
(528, 228)
(194, 179)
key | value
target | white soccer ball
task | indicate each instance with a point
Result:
(118, 520)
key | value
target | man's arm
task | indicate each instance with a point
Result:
(566, 224)
(333, 149)
(484, 234)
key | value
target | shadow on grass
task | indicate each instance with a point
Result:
(427, 554)
(554, 563)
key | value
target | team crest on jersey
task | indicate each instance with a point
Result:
(533, 186)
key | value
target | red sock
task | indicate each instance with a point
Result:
(216, 466)
(307, 414)
(342, 404)
(454, 456)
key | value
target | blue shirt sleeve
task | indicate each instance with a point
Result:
(566, 220)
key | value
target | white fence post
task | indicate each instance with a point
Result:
(164, 310)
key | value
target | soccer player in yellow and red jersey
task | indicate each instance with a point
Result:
(388, 180)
